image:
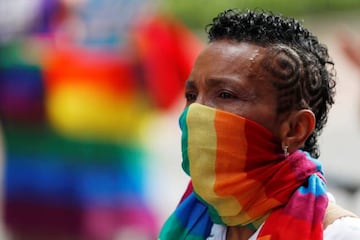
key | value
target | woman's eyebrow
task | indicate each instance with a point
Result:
(190, 84)
(217, 81)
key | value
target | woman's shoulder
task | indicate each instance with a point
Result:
(340, 223)
(343, 228)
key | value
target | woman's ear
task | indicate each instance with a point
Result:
(296, 129)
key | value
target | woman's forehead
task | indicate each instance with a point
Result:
(225, 57)
(230, 58)
(232, 50)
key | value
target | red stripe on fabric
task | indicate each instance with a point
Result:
(283, 226)
(263, 147)
(266, 165)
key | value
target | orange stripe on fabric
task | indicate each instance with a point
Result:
(268, 237)
(228, 146)
(228, 142)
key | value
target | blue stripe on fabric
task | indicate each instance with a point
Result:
(315, 186)
(194, 217)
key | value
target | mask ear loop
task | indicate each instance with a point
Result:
(285, 148)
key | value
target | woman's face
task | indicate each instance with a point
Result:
(228, 75)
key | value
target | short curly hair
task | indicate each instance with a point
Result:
(302, 70)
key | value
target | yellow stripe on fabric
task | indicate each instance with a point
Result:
(204, 160)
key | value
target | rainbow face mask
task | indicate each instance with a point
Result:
(228, 159)
(238, 169)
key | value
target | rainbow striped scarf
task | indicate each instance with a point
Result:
(240, 177)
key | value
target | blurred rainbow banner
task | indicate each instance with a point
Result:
(73, 118)
(74, 163)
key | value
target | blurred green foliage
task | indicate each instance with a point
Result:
(197, 13)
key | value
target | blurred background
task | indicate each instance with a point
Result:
(90, 94)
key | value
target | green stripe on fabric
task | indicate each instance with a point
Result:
(184, 141)
(174, 227)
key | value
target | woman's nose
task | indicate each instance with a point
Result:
(200, 99)
(204, 100)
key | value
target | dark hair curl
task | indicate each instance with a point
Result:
(303, 72)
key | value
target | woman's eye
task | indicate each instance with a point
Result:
(190, 97)
(226, 95)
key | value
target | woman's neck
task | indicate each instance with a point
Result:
(238, 233)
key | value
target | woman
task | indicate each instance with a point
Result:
(257, 99)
